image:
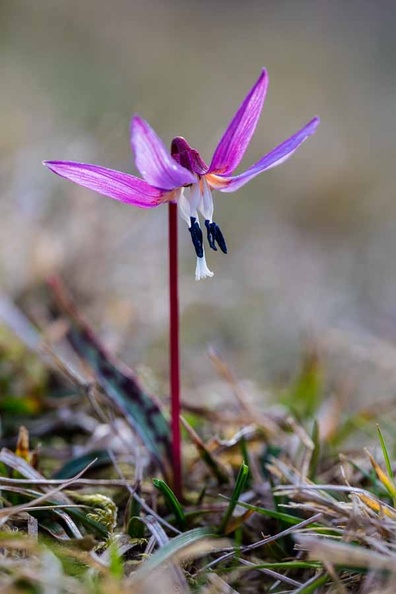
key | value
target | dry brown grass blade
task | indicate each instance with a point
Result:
(226, 374)
(250, 413)
(256, 545)
(18, 542)
(377, 506)
(217, 586)
(22, 446)
(81, 482)
(346, 555)
(382, 476)
(215, 466)
(22, 466)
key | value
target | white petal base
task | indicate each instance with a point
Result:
(202, 270)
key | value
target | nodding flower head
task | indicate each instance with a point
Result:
(182, 176)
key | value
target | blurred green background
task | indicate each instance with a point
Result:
(311, 244)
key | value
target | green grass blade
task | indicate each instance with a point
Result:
(174, 548)
(134, 526)
(316, 451)
(385, 453)
(116, 565)
(275, 565)
(282, 517)
(238, 489)
(313, 585)
(95, 459)
(172, 502)
(305, 395)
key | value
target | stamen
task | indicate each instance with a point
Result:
(196, 237)
(184, 207)
(211, 235)
(215, 235)
(206, 204)
(188, 200)
(194, 198)
(202, 270)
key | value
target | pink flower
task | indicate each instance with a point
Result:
(182, 176)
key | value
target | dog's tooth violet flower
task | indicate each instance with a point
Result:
(182, 176)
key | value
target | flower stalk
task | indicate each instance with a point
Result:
(174, 349)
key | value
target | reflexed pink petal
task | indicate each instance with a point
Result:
(115, 184)
(274, 158)
(153, 159)
(232, 146)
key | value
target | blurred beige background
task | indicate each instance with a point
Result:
(312, 244)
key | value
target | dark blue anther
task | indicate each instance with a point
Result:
(211, 235)
(215, 235)
(196, 237)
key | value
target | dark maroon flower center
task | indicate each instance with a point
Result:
(187, 157)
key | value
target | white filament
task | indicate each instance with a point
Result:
(206, 206)
(194, 198)
(184, 208)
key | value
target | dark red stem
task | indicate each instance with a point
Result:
(174, 351)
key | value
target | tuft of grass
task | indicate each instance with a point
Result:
(81, 511)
